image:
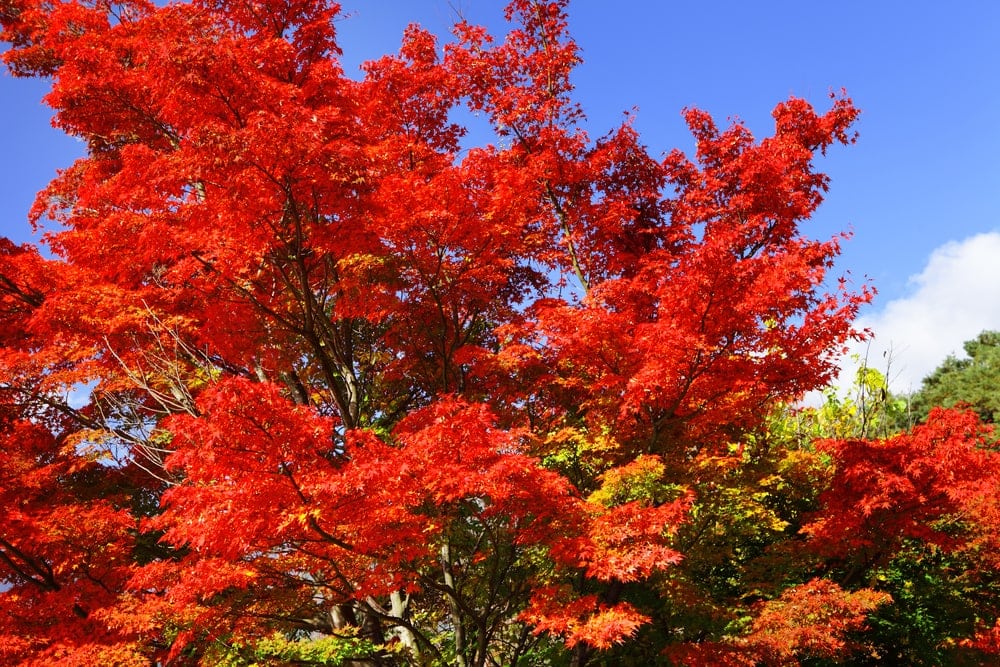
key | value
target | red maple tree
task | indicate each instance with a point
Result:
(307, 379)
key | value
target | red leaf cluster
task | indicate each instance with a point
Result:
(303, 362)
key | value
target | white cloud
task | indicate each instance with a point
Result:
(956, 296)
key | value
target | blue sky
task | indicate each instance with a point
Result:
(920, 190)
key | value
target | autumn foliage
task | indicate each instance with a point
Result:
(306, 375)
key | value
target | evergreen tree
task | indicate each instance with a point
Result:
(972, 381)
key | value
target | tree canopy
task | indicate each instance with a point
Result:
(971, 381)
(301, 377)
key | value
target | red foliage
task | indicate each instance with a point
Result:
(582, 619)
(65, 550)
(334, 367)
(935, 484)
(806, 621)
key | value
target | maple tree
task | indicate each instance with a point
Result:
(306, 379)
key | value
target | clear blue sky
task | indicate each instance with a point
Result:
(926, 169)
